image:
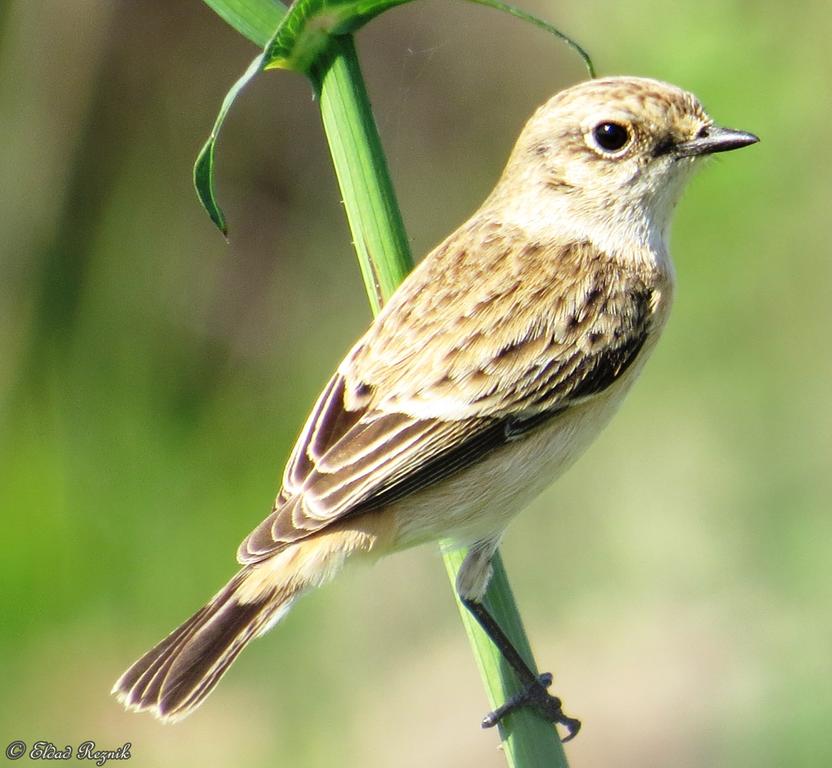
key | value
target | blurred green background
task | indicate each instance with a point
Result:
(152, 379)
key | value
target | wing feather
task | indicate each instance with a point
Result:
(425, 394)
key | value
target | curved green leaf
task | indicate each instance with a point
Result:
(296, 38)
(255, 19)
(204, 166)
(305, 30)
(514, 11)
(309, 24)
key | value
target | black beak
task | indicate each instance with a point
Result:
(714, 139)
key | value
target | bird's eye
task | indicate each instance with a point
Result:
(610, 136)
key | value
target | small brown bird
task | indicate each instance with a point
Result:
(489, 371)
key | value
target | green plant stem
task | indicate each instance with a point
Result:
(369, 199)
(383, 253)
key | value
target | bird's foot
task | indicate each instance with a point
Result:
(537, 696)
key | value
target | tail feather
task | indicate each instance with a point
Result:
(192, 683)
(175, 676)
(136, 685)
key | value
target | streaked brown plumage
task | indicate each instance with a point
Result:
(489, 371)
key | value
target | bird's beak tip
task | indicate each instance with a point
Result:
(716, 139)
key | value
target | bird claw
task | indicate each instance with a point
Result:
(537, 696)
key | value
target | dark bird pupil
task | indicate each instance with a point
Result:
(611, 136)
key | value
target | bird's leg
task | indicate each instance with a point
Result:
(472, 582)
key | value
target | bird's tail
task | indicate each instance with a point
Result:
(175, 676)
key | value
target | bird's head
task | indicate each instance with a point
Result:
(616, 150)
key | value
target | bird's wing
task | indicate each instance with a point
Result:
(448, 373)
